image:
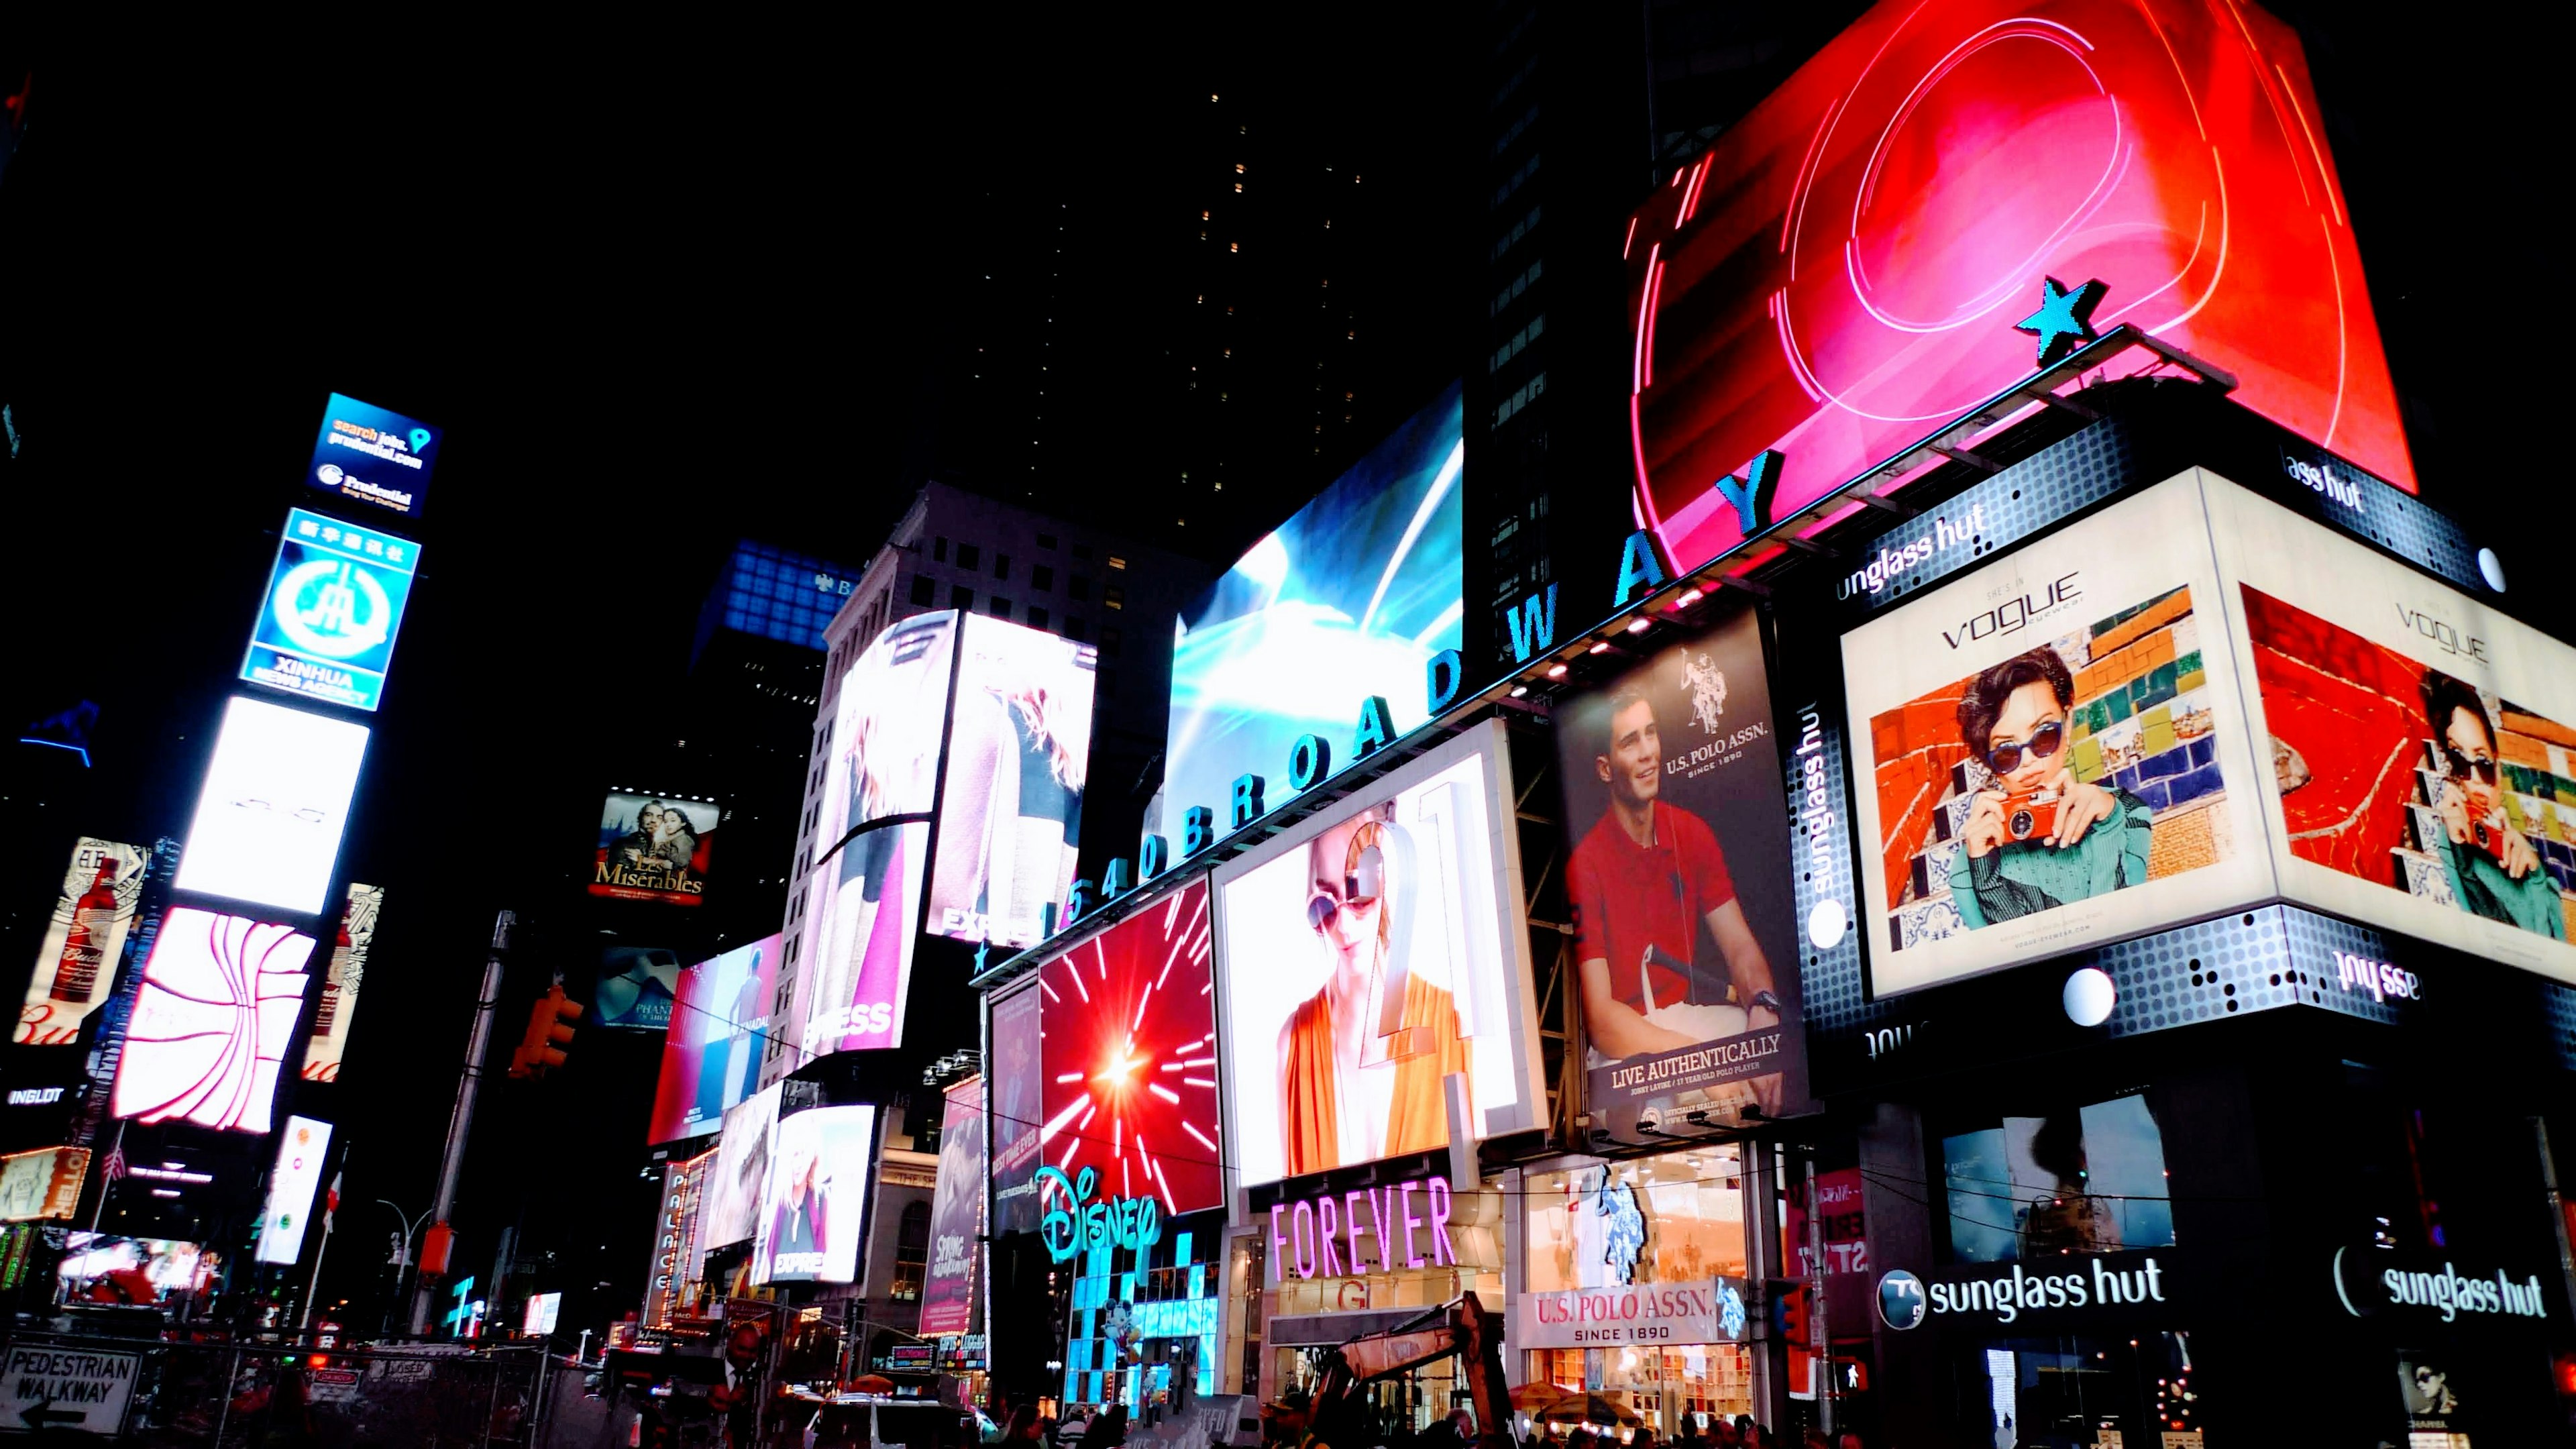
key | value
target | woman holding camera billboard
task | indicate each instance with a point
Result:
(2036, 837)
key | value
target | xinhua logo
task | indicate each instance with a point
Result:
(332, 608)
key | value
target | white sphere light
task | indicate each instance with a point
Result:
(2089, 996)
(2492, 568)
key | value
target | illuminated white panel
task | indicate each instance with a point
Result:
(291, 1187)
(218, 1002)
(274, 804)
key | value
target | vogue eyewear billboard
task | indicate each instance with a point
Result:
(298, 1175)
(1351, 597)
(373, 456)
(1130, 1082)
(815, 1196)
(1399, 908)
(654, 848)
(272, 808)
(1685, 925)
(956, 1214)
(2057, 749)
(1845, 269)
(324, 1049)
(84, 941)
(1019, 734)
(218, 1003)
(719, 1033)
(334, 603)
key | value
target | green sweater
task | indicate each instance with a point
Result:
(2482, 888)
(2025, 877)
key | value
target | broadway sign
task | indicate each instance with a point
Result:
(1707, 1311)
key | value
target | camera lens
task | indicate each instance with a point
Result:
(2020, 825)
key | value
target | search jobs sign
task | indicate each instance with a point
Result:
(373, 456)
(334, 603)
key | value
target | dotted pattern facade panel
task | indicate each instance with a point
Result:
(2558, 1011)
(2335, 492)
(2197, 973)
(2326, 960)
(1820, 845)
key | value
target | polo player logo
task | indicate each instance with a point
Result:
(1707, 686)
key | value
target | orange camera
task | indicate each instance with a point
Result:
(2030, 815)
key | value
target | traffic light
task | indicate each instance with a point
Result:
(1789, 1313)
(549, 1030)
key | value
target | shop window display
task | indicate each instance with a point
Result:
(2087, 1179)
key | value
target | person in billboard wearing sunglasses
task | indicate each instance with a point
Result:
(2494, 871)
(2037, 838)
(1361, 1075)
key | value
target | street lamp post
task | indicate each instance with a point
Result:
(402, 1259)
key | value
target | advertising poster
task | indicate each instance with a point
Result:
(1399, 908)
(106, 1269)
(84, 941)
(347, 972)
(2056, 760)
(1017, 1081)
(719, 1033)
(1854, 263)
(654, 848)
(1684, 918)
(815, 1197)
(2422, 748)
(956, 1214)
(731, 1193)
(637, 985)
(370, 455)
(1011, 812)
(218, 1004)
(2436, 1417)
(676, 1257)
(1349, 598)
(334, 603)
(297, 1176)
(274, 803)
(42, 1185)
(1129, 1090)
(864, 892)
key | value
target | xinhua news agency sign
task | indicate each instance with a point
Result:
(1708, 1311)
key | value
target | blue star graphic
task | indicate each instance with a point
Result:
(2064, 320)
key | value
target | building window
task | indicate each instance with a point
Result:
(1108, 638)
(1041, 578)
(1073, 626)
(922, 589)
(939, 550)
(999, 607)
(1046, 540)
(1114, 596)
(1077, 586)
(961, 598)
(969, 556)
(1082, 550)
(1109, 684)
(1116, 562)
(1037, 617)
(911, 1252)
(1001, 566)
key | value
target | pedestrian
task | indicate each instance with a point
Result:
(1109, 1430)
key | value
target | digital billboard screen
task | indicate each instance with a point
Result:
(333, 605)
(217, 1006)
(1843, 271)
(730, 1195)
(84, 940)
(2422, 745)
(43, 1184)
(329, 1043)
(2056, 751)
(274, 803)
(654, 848)
(1010, 811)
(636, 988)
(373, 456)
(719, 1034)
(1017, 1080)
(956, 1213)
(298, 1175)
(1351, 597)
(1129, 1089)
(1397, 909)
(814, 1197)
(1685, 926)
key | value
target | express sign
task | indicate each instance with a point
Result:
(1710, 1311)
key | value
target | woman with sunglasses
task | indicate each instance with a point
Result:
(2494, 871)
(2037, 838)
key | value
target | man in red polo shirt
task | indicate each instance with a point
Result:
(1643, 881)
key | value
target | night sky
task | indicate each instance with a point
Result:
(671, 287)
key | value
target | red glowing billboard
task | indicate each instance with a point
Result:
(1844, 271)
(1128, 1027)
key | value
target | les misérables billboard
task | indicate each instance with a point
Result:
(654, 848)
(2192, 701)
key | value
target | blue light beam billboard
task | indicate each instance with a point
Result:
(334, 602)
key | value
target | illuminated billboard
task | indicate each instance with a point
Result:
(373, 456)
(654, 848)
(291, 1185)
(2056, 750)
(1010, 811)
(1685, 926)
(84, 940)
(814, 1197)
(42, 1185)
(2422, 745)
(272, 808)
(1398, 908)
(1349, 598)
(956, 1213)
(1894, 235)
(1016, 1080)
(668, 1288)
(730, 1195)
(347, 972)
(1129, 1087)
(334, 602)
(636, 988)
(218, 1003)
(98, 1268)
(719, 1033)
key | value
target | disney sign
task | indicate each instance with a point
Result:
(1077, 1223)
